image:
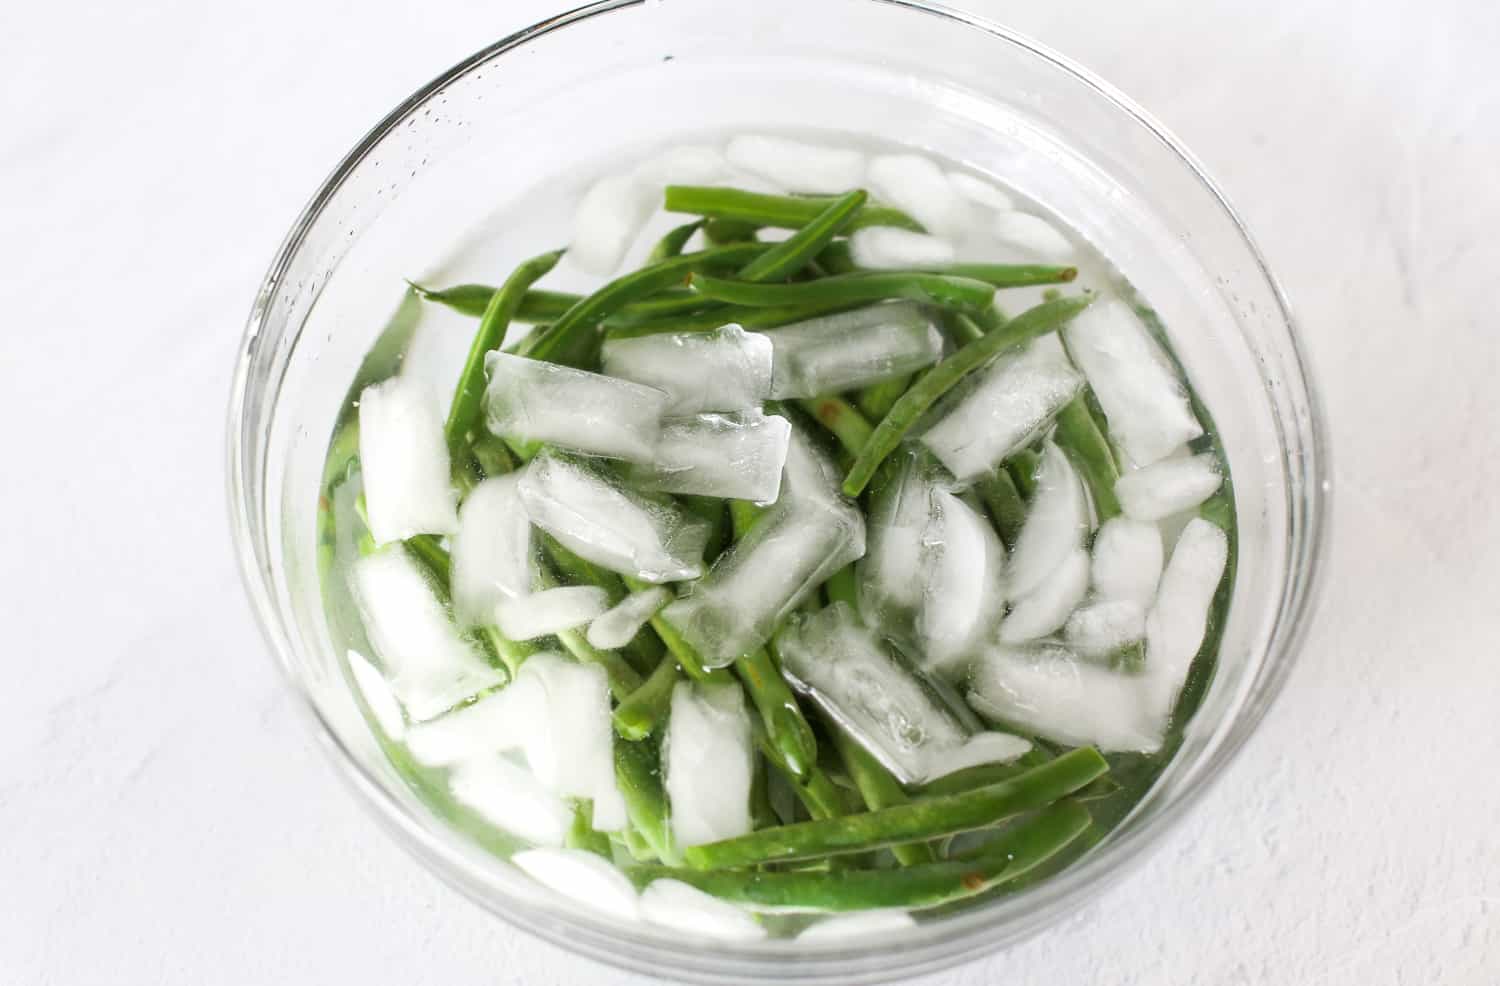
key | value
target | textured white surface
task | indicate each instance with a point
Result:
(167, 820)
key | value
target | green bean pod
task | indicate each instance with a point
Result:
(918, 821)
(961, 293)
(941, 378)
(1079, 436)
(880, 790)
(796, 252)
(782, 211)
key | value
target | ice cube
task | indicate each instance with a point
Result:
(571, 745)
(835, 353)
(727, 369)
(619, 625)
(1046, 690)
(890, 574)
(1099, 630)
(981, 748)
(1137, 386)
(584, 877)
(859, 681)
(1127, 560)
(1056, 523)
(607, 221)
(430, 667)
(535, 401)
(861, 924)
(809, 476)
(674, 904)
(637, 534)
(1178, 622)
(404, 460)
(493, 554)
(1168, 487)
(1046, 608)
(1034, 235)
(499, 722)
(963, 585)
(686, 164)
(511, 798)
(797, 166)
(918, 187)
(541, 614)
(753, 586)
(730, 456)
(888, 248)
(981, 192)
(708, 761)
(379, 698)
(1003, 411)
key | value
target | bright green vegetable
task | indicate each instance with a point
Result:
(638, 775)
(838, 258)
(1013, 853)
(571, 339)
(941, 378)
(843, 587)
(876, 400)
(880, 790)
(796, 252)
(623, 679)
(581, 834)
(917, 821)
(677, 646)
(468, 396)
(1004, 502)
(1080, 438)
(722, 231)
(783, 211)
(841, 419)
(1022, 467)
(785, 727)
(641, 712)
(671, 244)
(712, 318)
(961, 293)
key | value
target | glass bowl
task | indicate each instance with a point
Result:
(618, 76)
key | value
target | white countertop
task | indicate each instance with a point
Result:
(166, 818)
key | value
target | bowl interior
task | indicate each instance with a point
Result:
(435, 192)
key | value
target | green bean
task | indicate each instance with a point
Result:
(841, 420)
(712, 318)
(838, 257)
(762, 814)
(687, 656)
(671, 244)
(466, 299)
(786, 728)
(918, 821)
(743, 514)
(724, 231)
(638, 775)
(712, 510)
(623, 679)
(644, 649)
(783, 211)
(880, 790)
(640, 713)
(933, 289)
(941, 378)
(492, 456)
(816, 790)
(960, 329)
(796, 252)
(433, 556)
(572, 336)
(990, 319)
(581, 834)
(1022, 467)
(876, 400)
(1013, 853)
(843, 587)
(1080, 438)
(1006, 507)
(468, 396)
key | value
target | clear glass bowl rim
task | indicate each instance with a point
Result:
(955, 939)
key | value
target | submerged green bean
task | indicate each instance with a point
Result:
(741, 315)
(1079, 436)
(783, 211)
(962, 293)
(673, 241)
(917, 821)
(876, 400)
(1007, 508)
(1022, 467)
(640, 713)
(468, 396)
(638, 776)
(572, 336)
(843, 587)
(687, 656)
(880, 790)
(841, 419)
(838, 257)
(786, 728)
(941, 378)
(1013, 853)
(791, 255)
